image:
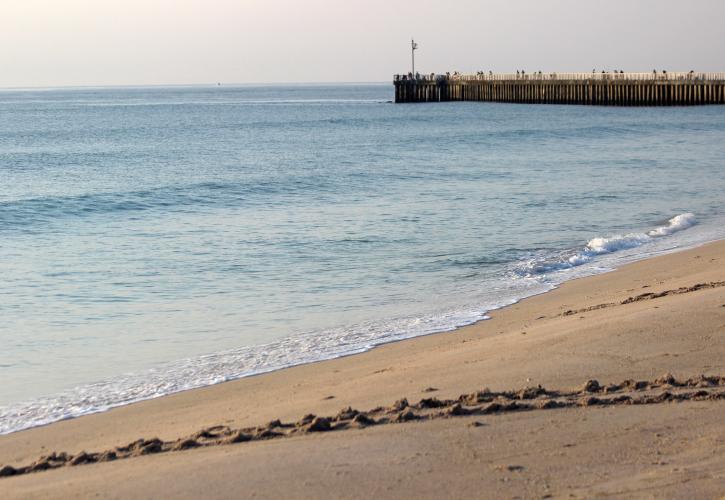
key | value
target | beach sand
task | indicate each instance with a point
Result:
(639, 433)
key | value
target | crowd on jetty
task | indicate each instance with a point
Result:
(655, 75)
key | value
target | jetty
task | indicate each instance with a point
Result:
(658, 88)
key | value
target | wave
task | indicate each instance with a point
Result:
(28, 212)
(678, 223)
(602, 246)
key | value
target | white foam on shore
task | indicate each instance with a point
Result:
(605, 245)
(228, 365)
(333, 343)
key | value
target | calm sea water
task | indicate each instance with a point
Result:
(159, 239)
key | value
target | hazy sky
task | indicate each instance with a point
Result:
(119, 42)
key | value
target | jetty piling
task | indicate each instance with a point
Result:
(603, 89)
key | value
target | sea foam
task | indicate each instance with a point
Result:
(604, 245)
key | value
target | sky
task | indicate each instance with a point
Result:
(46, 43)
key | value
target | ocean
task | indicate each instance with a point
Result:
(159, 239)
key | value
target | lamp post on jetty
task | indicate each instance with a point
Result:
(413, 48)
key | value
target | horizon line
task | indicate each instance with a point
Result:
(166, 85)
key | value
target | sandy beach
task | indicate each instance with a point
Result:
(611, 385)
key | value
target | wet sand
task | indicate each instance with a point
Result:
(455, 414)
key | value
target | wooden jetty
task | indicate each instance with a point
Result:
(605, 89)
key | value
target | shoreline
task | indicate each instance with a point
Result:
(587, 328)
(484, 316)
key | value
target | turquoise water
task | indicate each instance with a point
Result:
(158, 239)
